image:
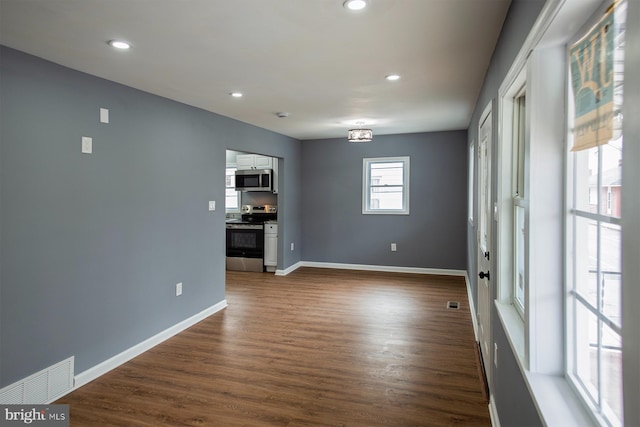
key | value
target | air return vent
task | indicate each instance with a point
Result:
(42, 387)
(453, 305)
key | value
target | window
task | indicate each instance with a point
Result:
(231, 196)
(594, 275)
(385, 186)
(568, 343)
(471, 177)
(519, 203)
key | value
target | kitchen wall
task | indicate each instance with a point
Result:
(92, 245)
(432, 236)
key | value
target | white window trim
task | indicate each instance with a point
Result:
(537, 341)
(365, 186)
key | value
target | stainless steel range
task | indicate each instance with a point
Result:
(245, 238)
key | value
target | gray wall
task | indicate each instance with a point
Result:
(93, 245)
(512, 397)
(432, 236)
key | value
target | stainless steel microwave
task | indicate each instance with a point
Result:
(254, 180)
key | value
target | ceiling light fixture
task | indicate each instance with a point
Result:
(355, 4)
(236, 94)
(119, 44)
(392, 77)
(360, 134)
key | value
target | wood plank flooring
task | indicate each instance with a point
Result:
(318, 347)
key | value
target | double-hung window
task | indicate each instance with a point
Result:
(519, 203)
(231, 196)
(385, 185)
(594, 278)
(471, 177)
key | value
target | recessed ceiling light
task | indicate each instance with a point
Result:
(236, 94)
(392, 77)
(119, 44)
(355, 4)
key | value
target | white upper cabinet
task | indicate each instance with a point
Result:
(253, 161)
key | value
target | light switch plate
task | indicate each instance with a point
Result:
(104, 115)
(212, 205)
(87, 145)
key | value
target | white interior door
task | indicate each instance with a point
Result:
(484, 240)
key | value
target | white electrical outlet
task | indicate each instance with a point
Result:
(212, 205)
(394, 247)
(178, 289)
(292, 246)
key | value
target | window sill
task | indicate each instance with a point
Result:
(381, 212)
(514, 328)
(554, 398)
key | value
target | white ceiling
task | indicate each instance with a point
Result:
(314, 59)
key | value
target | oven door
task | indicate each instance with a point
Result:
(245, 240)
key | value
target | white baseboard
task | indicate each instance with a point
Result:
(472, 307)
(290, 269)
(493, 412)
(368, 267)
(102, 368)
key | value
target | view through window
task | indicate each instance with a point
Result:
(519, 203)
(386, 185)
(231, 196)
(594, 228)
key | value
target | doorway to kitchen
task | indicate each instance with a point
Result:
(251, 211)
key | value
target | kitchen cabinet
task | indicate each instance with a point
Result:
(270, 246)
(253, 161)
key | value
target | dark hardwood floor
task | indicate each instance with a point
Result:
(315, 348)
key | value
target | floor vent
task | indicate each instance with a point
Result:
(42, 387)
(453, 304)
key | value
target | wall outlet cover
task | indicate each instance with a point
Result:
(87, 145)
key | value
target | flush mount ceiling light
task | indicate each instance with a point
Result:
(360, 134)
(236, 94)
(119, 44)
(392, 77)
(355, 4)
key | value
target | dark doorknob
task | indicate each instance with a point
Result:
(483, 275)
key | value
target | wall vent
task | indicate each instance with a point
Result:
(453, 304)
(42, 387)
